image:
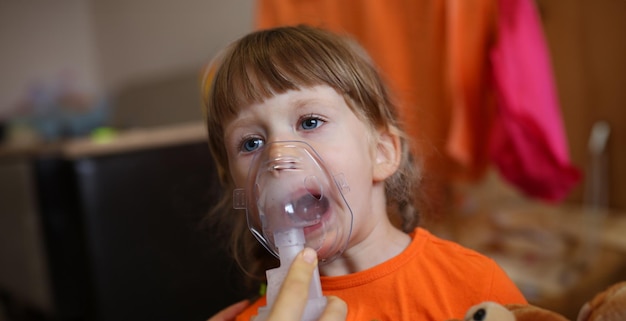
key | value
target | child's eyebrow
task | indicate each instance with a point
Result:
(303, 103)
(299, 103)
(236, 123)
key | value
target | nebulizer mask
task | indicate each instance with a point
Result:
(292, 201)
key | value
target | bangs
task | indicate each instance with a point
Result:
(268, 63)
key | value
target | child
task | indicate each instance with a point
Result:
(306, 84)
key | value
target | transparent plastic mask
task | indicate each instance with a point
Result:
(289, 188)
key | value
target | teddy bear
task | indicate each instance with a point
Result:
(608, 305)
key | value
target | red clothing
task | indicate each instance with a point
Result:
(528, 143)
(432, 279)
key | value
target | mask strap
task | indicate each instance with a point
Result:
(239, 199)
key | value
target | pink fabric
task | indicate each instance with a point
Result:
(528, 144)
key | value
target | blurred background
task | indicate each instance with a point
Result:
(105, 175)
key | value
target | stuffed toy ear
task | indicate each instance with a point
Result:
(608, 305)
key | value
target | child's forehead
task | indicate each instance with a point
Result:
(296, 98)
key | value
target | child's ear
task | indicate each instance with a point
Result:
(388, 154)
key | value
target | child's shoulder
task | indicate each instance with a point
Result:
(448, 250)
(453, 264)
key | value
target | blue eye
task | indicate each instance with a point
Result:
(311, 123)
(251, 145)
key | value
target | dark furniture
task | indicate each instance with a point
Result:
(123, 237)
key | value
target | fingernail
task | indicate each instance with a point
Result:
(309, 255)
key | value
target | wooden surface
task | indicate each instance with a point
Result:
(118, 142)
(137, 139)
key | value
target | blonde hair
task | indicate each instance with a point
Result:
(269, 62)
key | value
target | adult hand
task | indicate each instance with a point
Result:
(292, 298)
(229, 313)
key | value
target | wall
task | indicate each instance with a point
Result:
(142, 39)
(151, 53)
(112, 45)
(40, 40)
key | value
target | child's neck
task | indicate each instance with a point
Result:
(383, 243)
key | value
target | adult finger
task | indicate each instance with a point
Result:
(294, 292)
(229, 313)
(336, 310)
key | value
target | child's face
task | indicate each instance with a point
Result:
(318, 116)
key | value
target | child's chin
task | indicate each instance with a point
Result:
(327, 243)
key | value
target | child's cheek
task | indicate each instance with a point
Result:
(238, 173)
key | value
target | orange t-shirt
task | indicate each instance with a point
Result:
(432, 279)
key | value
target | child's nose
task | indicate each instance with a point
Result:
(282, 156)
